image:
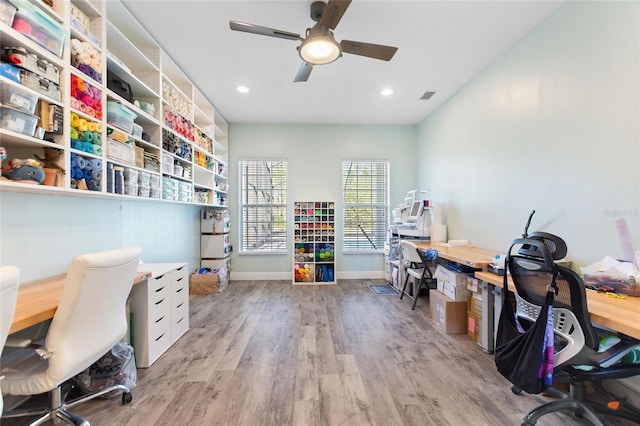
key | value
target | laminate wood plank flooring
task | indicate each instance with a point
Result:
(270, 353)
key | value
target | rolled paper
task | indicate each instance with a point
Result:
(73, 183)
(86, 174)
(74, 143)
(87, 99)
(82, 106)
(99, 128)
(98, 76)
(90, 111)
(76, 173)
(97, 138)
(74, 119)
(76, 46)
(97, 150)
(97, 104)
(96, 175)
(74, 133)
(87, 136)
(80, 162)
(75, 103)
(91, 126)
(88, 147)
(98, 114)
(438, 233)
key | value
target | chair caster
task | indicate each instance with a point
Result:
(126, 398)
(516, 390)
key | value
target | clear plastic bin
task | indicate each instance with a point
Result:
(120, 116)
(18, 97)
(17, 120)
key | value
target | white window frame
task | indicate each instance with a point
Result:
(369, 236)
(273, 236)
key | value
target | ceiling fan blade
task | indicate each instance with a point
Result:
(333, 12)
(376, 51)
(303, 72)
(257, 29)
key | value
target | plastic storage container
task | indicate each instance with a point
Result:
(131, 188)
(18, 120)
(120, 116)
(131, 175)
(17, 97)
(34, 23)
(7, 12)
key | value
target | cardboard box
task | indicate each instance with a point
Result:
(458, 278)
(474, 320)
(139, 157)
(210, 283)
(455, 292)
(447, 316)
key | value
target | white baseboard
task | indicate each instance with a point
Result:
(271, 276)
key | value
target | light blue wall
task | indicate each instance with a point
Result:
(40, 234)
(553, 125)
(315, 154)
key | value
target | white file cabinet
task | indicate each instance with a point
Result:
(216, 246)
(160, 310)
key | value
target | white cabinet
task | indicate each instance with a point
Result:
(160, 310)
(125, 120)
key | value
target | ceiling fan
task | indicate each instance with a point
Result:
(319, 46)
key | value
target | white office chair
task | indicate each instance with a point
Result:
(89, 321)
(9, 279)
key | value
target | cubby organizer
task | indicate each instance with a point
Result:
(85, 80)
(314, 242)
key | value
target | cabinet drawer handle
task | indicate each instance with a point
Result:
(159, 302)
(159, 289)
(180, 279)
(179, 306)
(160, 277)
(179, 290)
(160, 337)
(180, 320)
(160, 319)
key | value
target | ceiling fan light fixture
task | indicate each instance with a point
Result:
(319, 49)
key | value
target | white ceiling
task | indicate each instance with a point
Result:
(442, 45)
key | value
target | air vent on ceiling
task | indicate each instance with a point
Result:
(427, 96)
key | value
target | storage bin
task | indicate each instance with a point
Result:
(32, 62)
(131, 188)
(7, 11)
(148, 108)
(131, 175)
(143, 191)
(120, 116)
(18, 121)
(137, 131)
(121, 152)
(143, 178)
(18, 97)
(154, 181)
(154, 192)
(167, 164)
(34, 23)
(40, 84)
(10, 72)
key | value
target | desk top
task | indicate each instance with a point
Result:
(38, 300)
(622, 315)
(465, 255)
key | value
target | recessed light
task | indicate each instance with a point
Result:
(242, 89)
(386, 92)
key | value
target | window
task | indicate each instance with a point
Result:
(365, 188)
(264, 206)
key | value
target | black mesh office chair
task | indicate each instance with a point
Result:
(531, 264)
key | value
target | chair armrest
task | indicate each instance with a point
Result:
(13, 342)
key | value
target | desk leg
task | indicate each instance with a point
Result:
(497, 308)
(487, 317)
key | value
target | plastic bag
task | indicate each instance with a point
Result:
(610, 274)
(116, 367)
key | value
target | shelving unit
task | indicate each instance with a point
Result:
(215, 241)
(102, 40)
(314, 242)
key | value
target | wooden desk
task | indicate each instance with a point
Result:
(622, 315)
(38, 300)
(474, 257)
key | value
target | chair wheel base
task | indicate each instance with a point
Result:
(126, 398)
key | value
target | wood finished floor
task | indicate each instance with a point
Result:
(269, 353)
